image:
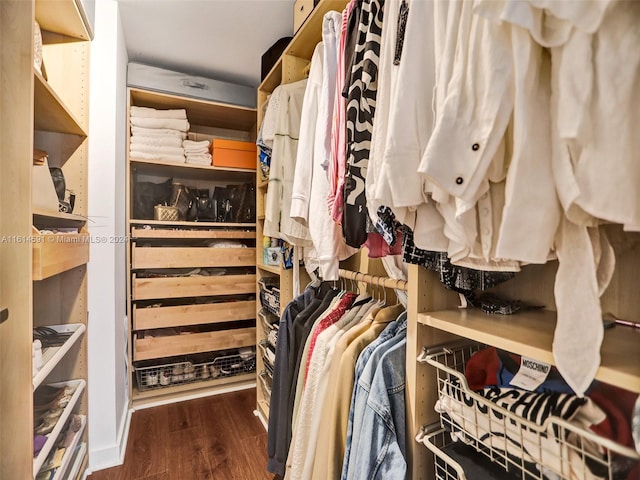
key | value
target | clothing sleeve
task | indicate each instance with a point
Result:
(273, 201)
(306, 141)
(411, 115)
(469, 129)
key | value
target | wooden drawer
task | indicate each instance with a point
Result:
(159, 347)
(192, 257)
(176, 316)
(137, 232)
(176, 287)
(54, 254)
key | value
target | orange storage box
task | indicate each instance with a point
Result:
(233, 154)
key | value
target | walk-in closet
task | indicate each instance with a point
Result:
(319, 240)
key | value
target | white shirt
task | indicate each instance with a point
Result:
(311, 186)
(278, 222)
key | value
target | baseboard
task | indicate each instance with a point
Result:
(114, 455)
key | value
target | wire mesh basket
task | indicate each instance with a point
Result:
(265, 384)
(169, 374)
(268, 354)
(526, 444)
(270, 294)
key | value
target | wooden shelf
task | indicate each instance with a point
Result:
(191, 234)
(206, 168)
(61, 219)
(70, 451)
(191, 172)
(197, 286)
(304, 41)
(199, 112)
(199, 314)
(65, 17)
(191, 224)
(270, 268)
(169, 346)
(531, 334)
(53, 436)
(50, 112)
(51, 356)
(191, 257)
(57, 253)
(175, 391)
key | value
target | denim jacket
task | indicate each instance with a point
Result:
(397, 328)
(378, 448)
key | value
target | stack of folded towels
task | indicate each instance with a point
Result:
(197, 152)
(158, 134)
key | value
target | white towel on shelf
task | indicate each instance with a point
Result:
(158, 132)
(167, 157)
(173, 123)
(147, 112)
(193, 144)
(199, 159)
(157, 149)
(197, 151)
(158, 141)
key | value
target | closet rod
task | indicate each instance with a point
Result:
(374, 279)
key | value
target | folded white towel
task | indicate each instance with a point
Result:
(157, 156)
(196, 151)
(147, 112)
(173, 123)
(166, 141)
(158, 132)
(199, 159)
(194, 144)
(157, 149)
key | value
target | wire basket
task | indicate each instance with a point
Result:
(269, 321)
(268, 355)
(265, 384)
(270, 294)
(552, 448)
(164, 375)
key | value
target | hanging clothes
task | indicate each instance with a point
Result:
(311, 186)
(285, 107)
(361, 101)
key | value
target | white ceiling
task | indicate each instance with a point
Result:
(219, 39)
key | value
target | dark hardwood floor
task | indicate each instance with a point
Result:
(211, 438)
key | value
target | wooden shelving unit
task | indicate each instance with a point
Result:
(43, 280)
(221, 308)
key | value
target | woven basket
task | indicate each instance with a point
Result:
(165, 213)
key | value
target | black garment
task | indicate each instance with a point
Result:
(463, 280)
(361, 105)
(478, 466)
(302, 326)
(279, 432)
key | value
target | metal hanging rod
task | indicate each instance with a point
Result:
(373, 279)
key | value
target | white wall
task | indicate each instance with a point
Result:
(107, 332)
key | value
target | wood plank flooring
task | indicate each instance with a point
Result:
(211, 438)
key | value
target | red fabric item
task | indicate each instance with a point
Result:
(378, 248)
(618, 405)
(335, 315)
(482, 369)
